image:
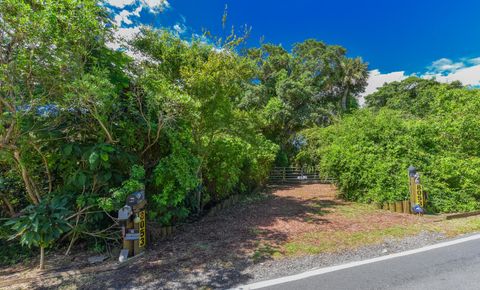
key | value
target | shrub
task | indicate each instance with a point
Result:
(369, 152)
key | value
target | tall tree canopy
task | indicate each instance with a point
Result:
(414, 95)
(308, 87)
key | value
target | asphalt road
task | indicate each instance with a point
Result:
(451, 267)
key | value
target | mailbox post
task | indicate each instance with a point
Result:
(417, 197)
(132, 218)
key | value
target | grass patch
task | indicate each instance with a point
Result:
(452, 228)
(467, 225)
(354, 210)
(254, 197)
(325, 242)
(329, 242)
(257, 231)
(264, 252)
(321, 208)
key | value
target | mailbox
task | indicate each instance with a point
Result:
(132, 219)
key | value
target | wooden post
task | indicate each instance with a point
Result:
(413, 192)
(128, 244)
(391, 206)
(399, 207)
(406, 206)
(136, 244)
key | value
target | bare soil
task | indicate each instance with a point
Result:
(215, 251)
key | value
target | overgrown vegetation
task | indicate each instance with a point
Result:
(195, 121)
(82, 125)
(416, 122)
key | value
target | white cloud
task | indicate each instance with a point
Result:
(376, 79)
(445, 65)
(443, 70)
(474, 61)
(128, 33)
(120, 3)
(179, 28)
(124, 16)
(122, 35)
(156, 5)
(469, 76)
(153, 6)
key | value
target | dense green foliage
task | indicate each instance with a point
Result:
(191, 123)
(310, 86)
(416, 122)
(82, 125)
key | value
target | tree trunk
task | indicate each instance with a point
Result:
(198, 192)
(47, 170)
(107, 133)
(102, 125)
(42, 258)
(8, 205)
(26, 179)
(345, 100)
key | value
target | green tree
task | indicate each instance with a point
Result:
(210, 81)
(41, 225)
(414, 95)
(354, 77)
(414, 122)
(309, 86)
(44, 47)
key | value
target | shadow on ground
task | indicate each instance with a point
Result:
(215, 251)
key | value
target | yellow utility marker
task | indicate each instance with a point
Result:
(417, 196)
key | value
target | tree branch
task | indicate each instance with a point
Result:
(26, 178)
(9, 206)
(160, 125)
(45, 163)
(110, 139)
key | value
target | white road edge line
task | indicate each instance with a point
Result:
(353, 264)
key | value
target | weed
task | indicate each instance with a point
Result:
(264, 252)
(321, 242)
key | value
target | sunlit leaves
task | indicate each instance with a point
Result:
(433, 127)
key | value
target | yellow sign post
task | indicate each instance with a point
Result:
(132, 218)
(143, 231)
(417, 196)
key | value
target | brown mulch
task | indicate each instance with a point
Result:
(224, 244)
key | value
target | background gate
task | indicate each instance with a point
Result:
(281, 175)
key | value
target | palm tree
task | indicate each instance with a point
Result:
(354, 75)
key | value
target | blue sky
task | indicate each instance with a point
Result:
(397, 38)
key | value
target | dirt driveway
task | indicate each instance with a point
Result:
(217, 251)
